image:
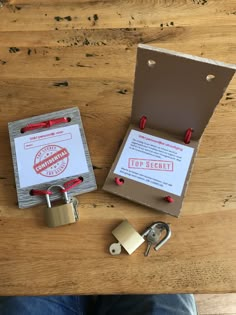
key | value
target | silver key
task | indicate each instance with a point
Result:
(152, 238)
(115, 249)
(75, 204)
(153, 235)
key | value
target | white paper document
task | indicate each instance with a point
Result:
(50, 155)
(154, 161)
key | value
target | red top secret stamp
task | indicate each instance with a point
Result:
(147, 164)
(51, 160)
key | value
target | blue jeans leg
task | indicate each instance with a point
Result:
(160, 304)
(44, 305)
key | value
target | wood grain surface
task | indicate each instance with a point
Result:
(216, 304)
(92, 46)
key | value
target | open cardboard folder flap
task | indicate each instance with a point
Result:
(175, 92)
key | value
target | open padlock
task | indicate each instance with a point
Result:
(130, 239)
(153, 235)
(66, 213)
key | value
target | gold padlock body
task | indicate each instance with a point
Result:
(128, 237)
(61, 215)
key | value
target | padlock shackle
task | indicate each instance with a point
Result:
(62, 190)
(156, 224)
(163, 226)
(48, 201)
(49, 188)
(165, 238)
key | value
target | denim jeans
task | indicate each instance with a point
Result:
(161, 304)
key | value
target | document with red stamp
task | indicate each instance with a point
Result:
(154, 161)
(50, 155)
(50, 150)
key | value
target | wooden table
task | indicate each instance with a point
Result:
(92, 46)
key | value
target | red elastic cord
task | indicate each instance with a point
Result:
(142, 122)
(37, 192)
(188, 135)
(119, 181)
(71, 184)
(45, 124)
(67, 186)
(169, 199)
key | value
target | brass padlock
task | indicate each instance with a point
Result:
(127, 237)
(63, 214)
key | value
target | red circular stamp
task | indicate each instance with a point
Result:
(51, 160)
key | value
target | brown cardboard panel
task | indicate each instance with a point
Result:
(144, 194)
(172, 90)
(175, 92)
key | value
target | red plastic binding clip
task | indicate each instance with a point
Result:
(119, 181)
(45, 124)
(169, 199)
(72, 183)
(142, 122)
(37, 192)
(188, 135)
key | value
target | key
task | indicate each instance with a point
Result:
(148, 249)
(153, 237)
(75, 204)
(115, 249)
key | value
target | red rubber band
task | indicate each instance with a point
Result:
(142, 122)
(37, 192)
(67, 186)
(169, 199)
(45, 124)
(71, 184)
(188, 135)
(119, 181)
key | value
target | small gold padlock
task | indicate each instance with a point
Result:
(63, 214)
(127, 237)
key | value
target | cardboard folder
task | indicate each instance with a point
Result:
(175, 93)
